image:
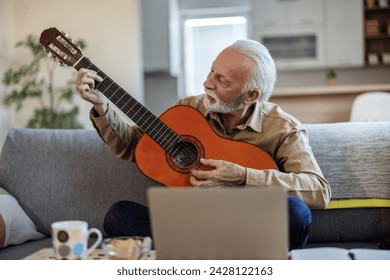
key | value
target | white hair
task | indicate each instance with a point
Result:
(263, 73)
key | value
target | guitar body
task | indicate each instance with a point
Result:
(192, 126)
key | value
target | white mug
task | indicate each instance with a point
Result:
(70, 239)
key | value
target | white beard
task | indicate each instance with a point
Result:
(223, 107)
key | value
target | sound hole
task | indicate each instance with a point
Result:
(185, 154)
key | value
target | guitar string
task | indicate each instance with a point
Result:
(190, 154)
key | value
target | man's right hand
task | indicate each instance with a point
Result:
(86, 86)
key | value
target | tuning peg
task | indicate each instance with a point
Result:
(49, 54)
(67, 36)
(64, 33)
(52, 57)
(61, 63)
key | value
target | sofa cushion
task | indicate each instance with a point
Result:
(355, 159)
(15, 226)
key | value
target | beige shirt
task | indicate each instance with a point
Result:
(282, 136)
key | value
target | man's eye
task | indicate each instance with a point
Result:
(222, 81)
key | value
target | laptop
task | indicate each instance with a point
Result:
(219, 223)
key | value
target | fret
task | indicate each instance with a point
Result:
(156, 132)
(118, 88)
(122, 93)
(150, 124)
(170, 142)
(160, 135)
(135, 113)
(131, 108)
(146, 122)
(124, 100)
(110, 85)
(145, 117)
(164, 143)
(125, 104)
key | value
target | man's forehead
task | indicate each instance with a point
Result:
(231, 60)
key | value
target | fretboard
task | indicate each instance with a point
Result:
(139, 114)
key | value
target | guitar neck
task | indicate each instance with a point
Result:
(139, 114)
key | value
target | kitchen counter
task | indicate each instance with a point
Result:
(322, 104)
(336, 89)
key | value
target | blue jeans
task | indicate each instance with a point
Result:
(126, 218)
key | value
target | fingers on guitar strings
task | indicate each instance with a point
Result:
(83, 89)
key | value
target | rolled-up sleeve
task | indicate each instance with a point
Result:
(298, 171)
(119, 136)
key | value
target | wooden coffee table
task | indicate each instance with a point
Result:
(98, 254)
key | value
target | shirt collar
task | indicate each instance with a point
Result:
(254, 121)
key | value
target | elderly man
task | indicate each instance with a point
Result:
(240, 82)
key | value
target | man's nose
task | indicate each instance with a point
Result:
(208, 83)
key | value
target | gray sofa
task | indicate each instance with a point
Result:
(70, 174)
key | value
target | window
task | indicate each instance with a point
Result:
(204, 38)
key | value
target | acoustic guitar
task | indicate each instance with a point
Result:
(173, 143)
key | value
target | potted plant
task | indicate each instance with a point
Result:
(331, 77)
(56, 108)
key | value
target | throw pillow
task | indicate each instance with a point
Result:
(15, 226)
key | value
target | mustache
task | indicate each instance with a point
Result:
(211, 93)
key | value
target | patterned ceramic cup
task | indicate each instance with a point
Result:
(70, 240)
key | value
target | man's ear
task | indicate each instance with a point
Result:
(253, 96)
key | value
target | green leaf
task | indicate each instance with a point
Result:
(33, 45)
(67, 94)
(25, 82)
(45, 118)
(81, 43)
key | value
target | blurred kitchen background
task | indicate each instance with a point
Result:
(327, 52)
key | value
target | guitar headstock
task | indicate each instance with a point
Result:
(59, 45)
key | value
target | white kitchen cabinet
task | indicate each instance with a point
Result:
(306, 12)
(269, 13)
(344, 33)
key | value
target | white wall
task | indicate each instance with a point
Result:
(7, 42)
(112, 30)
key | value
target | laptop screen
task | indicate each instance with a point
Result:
(219, 223)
